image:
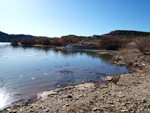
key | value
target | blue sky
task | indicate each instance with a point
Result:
(80, 17)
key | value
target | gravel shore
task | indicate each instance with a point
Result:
(131, 94)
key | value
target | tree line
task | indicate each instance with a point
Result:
(63, 41)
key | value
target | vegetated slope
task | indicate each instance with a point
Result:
(4, 37)
(128, 33)
(123, 35)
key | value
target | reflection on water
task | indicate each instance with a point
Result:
(28, 71)
(5, 99)
(3, 44)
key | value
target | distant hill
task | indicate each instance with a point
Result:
(4, 37)
(127, 33)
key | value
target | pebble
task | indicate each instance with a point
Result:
(124, 111)
(95, 109)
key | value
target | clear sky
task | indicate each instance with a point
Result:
(80, 17)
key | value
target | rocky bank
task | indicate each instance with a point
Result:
(131, 94)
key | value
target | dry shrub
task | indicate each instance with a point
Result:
(45, 41)
(27, 42)
(14, 42)
(148, 59)
(129, 55)
(143, 45)
(110, 43)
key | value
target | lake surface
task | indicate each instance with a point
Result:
(24, 72)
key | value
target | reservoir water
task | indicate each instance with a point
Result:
(24, 72)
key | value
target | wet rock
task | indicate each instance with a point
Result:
(45, 94)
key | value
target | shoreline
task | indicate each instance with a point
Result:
(97, 51)
(131, 94)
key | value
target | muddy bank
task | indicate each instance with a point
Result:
(131, 94)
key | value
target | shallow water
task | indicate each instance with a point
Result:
(24, 72)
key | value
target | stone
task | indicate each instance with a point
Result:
(121, 95)
(143, 64)
(47, 110)
(118, 100)
(143, 101)
(95, 109)
(14, 111)
(32, 110)
(124, 111)
(45, 94)
(123, 104)
(91, 102)
(104, 86)
(108, 78)
(147, 105)
(110, 102)
(67, 96)
(8, 109)
(66, 105)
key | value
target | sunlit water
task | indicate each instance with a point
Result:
(28, 71)
(3, 98)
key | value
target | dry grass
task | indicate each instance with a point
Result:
(129, 54)
(148, 59)
(94, 42)
(143, 45)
